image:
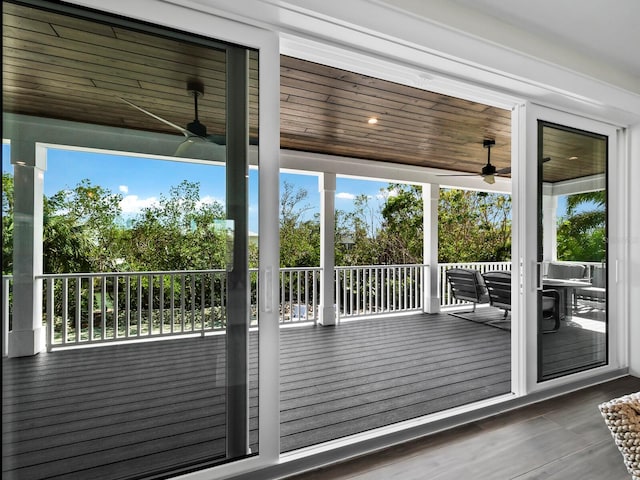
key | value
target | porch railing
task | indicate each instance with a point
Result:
(377, 289)
(299, 294)
(99, 307)
(103, 307)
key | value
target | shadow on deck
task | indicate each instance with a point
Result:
(126, 411)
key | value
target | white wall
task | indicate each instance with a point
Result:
(634, 253)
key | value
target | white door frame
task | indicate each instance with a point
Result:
(267, 43)
(528, 248)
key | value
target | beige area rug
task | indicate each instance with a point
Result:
(622, 416)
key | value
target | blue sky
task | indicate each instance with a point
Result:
(141, 181)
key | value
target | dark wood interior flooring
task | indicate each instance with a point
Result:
(564, 438)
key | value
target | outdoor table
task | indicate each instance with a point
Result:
(565, 288)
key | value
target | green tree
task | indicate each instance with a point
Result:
(179, 232)
(356, 237)
(299, 236)
(401, 237)
(7, 224)
(472, 226)
(80, 229)
(77, 228)
(581, 231)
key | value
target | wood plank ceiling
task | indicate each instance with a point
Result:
(66, 67)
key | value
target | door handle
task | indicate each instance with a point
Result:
(538, 268)
(267, 282)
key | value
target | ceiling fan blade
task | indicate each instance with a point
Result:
(507, 170)
(459, 175)
(184, 131)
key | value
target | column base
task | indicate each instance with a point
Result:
(431, 305)
(24, 343)
(327, 315)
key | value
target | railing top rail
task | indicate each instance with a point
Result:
(299, 269)
(473, 263)
(125, 274)
(347, 267)
(7, 277)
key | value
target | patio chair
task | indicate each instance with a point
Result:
(467, 285)
(499, 286)
(567, 271)
(596, 294)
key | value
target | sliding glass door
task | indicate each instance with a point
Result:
(572, 253)
(132, 197)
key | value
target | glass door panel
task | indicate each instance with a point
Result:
(149, 201)
(572, 250)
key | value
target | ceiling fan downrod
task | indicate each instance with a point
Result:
(488, 171)
(196, 88)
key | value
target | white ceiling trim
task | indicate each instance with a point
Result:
(313, 163)
(595, 37)
(404, 74)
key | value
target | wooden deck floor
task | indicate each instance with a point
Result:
(126, 411)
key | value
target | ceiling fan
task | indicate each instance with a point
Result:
(489, 171)
(195, 131)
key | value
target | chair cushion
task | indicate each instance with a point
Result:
(468, 285)
(599, 277)
(565, 270)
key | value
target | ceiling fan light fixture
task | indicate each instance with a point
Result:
(489, 171)
(490, 179)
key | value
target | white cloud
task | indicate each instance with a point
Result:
(123, 189)
(134, 204)
(209, 200)
(345, 196)
(387, 193)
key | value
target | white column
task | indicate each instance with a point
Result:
(633, 251)
(430, 199)
(549, 228)
(327, 185)
(27, 337)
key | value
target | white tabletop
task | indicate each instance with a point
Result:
(565, 282)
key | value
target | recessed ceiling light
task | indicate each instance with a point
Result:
(573, 158)
(372, 121)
